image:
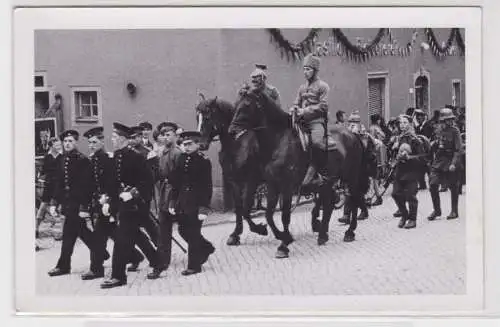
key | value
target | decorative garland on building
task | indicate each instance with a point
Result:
(445, 48)
(294, 51)
(339, 45)
(358, 52)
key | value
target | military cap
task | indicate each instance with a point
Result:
(96, 131)
(189, 135)
(354, 118)
(168, 126)
(122, 130)
(405, 116)
(69, 132)
(419, 112)
(146, 126)
(136, 130)
(312, 61)
(260, 70)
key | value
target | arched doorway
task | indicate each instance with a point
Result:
(421, 84)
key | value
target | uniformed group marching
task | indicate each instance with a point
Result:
(108, 194)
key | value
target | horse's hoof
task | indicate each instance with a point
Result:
(233, 240)
(349, 238)
(260, 229)
(322, 240)
(315, 225)
(281, 254)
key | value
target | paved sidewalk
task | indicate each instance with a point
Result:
(383, 260)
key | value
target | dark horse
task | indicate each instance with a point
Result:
(271, 151)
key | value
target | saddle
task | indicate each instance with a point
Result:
(305, 138)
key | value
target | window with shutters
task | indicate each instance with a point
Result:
(376, 96)
(456, 91)
(43, 94)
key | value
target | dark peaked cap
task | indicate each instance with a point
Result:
(69, 132)
(122, 130)
(96, 131)
(190, 135)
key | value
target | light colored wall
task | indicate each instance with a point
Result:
(169, 67)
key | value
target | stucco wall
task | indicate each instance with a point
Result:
(169, 67)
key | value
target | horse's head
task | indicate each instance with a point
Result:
(212, 119)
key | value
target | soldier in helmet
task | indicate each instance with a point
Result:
(311, 108)
(446, 163)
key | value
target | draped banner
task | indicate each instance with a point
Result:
(338, 44)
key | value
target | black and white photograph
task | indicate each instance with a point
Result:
(276, 160)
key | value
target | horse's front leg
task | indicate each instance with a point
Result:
(315, 223)
(234, 237)
(248, 201)
(286, 213)
(327, 195)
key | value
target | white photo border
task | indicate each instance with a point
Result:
(26, 20)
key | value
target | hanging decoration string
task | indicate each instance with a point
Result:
(294, 51)
(441, 50)
(357, 52)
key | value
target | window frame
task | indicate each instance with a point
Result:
(387, 92)
(422, 72)
(74, 89)
(44, 88)
(453, 101)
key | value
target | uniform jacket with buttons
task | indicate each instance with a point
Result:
(73, 181)
(130, 171)
(313, 97)
(152, 163)
(191, 184)
(448, 148)
(102, 172)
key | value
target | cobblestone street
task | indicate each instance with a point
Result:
(383, 260)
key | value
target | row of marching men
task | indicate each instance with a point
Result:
(443, 154)
(108, 195)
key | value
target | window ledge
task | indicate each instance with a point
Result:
(86, 120)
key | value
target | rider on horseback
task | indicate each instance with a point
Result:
(311, 108)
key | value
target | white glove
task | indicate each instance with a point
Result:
(171, 211)
(53, 211)
(202, 217)
(105, 209)
(103, 199)
(83, 214)
(126, 196)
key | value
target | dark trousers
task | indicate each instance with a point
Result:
(449, 178)
(75, 227)
(165, 239)
(405, 191)
(104, 229)
(150, 225)
(421, 180)
(128, 234)
(198, 246)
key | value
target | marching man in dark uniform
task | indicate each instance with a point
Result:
(446, 163)
(73, 192)
(131, 184)
(191, 194)
(407, 173)
(169, 159)
(105, 219)
(147, 129)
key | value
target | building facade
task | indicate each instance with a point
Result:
(132, 76)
